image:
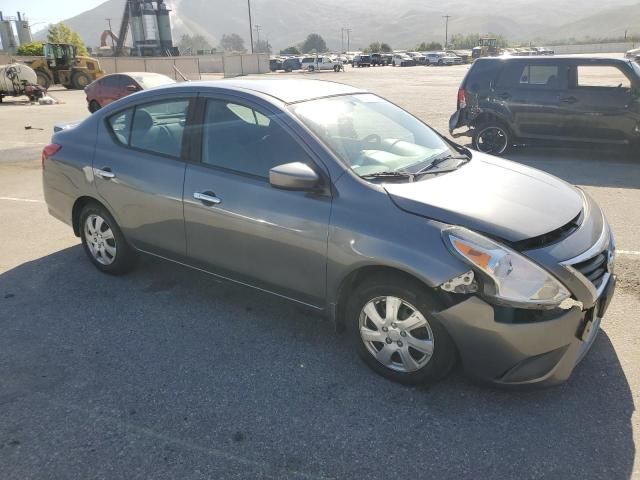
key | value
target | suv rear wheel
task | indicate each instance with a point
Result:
(492, 137)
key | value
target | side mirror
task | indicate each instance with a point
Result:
(132, 88)
(294, 176)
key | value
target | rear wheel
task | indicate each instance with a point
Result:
(94, 106)
(104, 242)
(396, 335)
(492, 137)
(79, 80)
(44, 80)
(311, 68)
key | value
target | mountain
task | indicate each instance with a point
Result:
(402, 23)
(608, 23)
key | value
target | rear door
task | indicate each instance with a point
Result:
(530, 93)
(139, 171)
(602, 103)
(248, 230)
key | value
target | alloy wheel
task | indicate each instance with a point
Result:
(493, 140)
(100, 239)
(396, 334)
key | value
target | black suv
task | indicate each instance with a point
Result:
(571, 99)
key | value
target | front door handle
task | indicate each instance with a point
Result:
(569, 100)
(105, 173)
(207, 198)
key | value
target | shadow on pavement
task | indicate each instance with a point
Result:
(171, 374)
(603, 167)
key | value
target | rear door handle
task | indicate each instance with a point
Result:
(504, 96)
(569, 100)
(207, 197)
(105, 173)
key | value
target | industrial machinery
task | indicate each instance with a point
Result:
(150, 29)
(61, 65)
(487, 47)
(8, 36)
(17, 79)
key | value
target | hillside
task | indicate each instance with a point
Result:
(402, 23)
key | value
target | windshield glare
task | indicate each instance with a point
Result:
(371, 135)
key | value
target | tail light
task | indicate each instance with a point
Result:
(462, 100)
(50, 150)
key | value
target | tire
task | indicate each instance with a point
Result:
(440, 62)
(94, 106)
(394, 356)
(492, 137)
(311, 68)
(103, 241)
(44, 80)
(79, 80)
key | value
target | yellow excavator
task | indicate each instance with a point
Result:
(61, 65)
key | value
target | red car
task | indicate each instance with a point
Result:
(117, 85)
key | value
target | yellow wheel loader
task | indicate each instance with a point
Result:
(61, 65)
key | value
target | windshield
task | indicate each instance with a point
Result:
(371, 135)
(150, 81)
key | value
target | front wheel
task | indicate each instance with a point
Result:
(395, 333)
(493, 138)
(103, 241)
(94, 106)
(43, 79)
(79, 80)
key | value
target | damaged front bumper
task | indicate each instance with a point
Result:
(523, 351)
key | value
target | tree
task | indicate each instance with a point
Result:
(193, 43)
(290, 51)
(60, 33)
(429, 47)
(33, 49)
(314, 42)
(385, 48)
(262, 46)
(232, 42)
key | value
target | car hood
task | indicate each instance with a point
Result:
(497, 197)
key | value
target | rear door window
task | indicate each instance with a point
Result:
(518, 74)
(120, 126)
(159, 127)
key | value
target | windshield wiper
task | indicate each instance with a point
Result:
(398, 174)
(432, 167)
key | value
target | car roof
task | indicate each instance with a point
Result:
(564, 58)
(286, 90)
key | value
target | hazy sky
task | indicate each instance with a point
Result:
(49, 11)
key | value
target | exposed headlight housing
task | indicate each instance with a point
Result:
(508, 276)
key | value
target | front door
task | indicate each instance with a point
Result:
(602, 103)
(237, 224)
(139, 173)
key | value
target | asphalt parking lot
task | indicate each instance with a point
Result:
(168, 374)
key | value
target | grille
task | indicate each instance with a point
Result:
(552, 237)
(593, 268)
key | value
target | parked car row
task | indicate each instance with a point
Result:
(527, 51)
(360, 59)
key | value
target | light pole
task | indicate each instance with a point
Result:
(250, 25)
(258, 27)
(348, 30)
(446, 30)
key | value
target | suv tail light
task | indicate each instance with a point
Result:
(462, 100)
(50, 150)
